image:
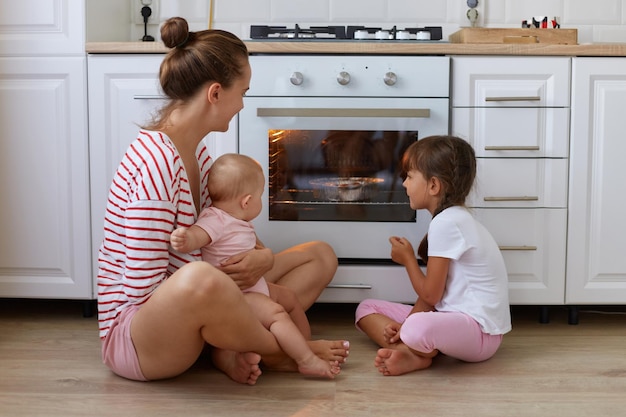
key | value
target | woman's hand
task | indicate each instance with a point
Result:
(246, 268)
(391, 332)
(401, 250)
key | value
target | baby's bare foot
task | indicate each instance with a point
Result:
(331, 350)
(240, 367)
(315, 366)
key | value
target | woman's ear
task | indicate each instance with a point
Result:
(213, 92)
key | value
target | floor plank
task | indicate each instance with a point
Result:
(50, 366)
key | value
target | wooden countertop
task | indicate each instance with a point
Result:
(379, 47)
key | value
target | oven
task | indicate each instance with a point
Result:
(329, 132)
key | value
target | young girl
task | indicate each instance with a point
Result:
(236, 185)
(462, 309)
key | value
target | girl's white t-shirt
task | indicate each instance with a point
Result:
(477, 283)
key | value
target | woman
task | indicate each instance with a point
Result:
(158, 308)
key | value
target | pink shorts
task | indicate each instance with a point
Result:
(118, 351)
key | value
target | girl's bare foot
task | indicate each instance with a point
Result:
(331, 350)
(315, 366)
(240, 367)
(399, 361)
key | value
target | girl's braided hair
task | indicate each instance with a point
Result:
(448, 158)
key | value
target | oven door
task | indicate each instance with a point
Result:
(332, 169)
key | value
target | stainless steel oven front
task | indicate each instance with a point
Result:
(329, 132)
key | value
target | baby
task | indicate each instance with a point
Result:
(235, 185)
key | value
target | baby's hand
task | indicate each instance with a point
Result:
(178, 239)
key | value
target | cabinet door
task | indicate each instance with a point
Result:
(45, 179)
(42, 27)
(504, 132)
(510, 81)
(596, 261)
(533, 248)
(520, 182)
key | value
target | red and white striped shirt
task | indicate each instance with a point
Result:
(149, 197)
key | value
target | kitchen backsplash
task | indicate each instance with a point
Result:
(596, 21)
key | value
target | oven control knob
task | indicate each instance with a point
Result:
(296, 78)
(390, 78)
(343, 78)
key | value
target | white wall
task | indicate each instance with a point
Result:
(596, 20)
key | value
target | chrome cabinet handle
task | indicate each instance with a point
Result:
(511, 148)
(518, 247)
(520, 98)
(350, 286)
(140, 97)
(521, 198)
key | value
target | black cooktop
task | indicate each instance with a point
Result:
(328, 33)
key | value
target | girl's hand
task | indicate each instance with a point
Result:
(246, 268)
(178, 240)
(401, 250)
(391, 332)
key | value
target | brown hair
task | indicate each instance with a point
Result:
(448, 158)
(195, 59)
(234, 175)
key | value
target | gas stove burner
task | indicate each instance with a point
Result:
(282, 32)
(427, 33)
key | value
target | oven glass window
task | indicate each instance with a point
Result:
(338, 175)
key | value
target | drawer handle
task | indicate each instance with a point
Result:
(522, 198)
(350, 286)
(511, 148)
(530, 98)
(337, 112)
(140, 97)
(518, 247)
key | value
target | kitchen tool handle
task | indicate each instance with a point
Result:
(149, 97)
(511, 148)
(520, 98)
(524, 247)
(335, 112)
(350, 286)
(521, 198)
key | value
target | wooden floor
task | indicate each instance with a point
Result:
(50, 366)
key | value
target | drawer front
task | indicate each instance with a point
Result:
(528, 132)
(533, 244)
(510, 81)
(523, 183)
(355, 283)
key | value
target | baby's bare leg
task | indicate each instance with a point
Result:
(277, 321)
(287, 298)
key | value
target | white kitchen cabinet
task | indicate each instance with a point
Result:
(515, 113)
(596, 244)
(124, 93)
(45, 243)
(42, 27)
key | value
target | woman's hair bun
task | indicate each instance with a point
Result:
(175, 32)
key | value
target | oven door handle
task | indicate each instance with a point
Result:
(335, 112)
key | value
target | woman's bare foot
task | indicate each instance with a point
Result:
(399, 361)
(315, 366)
(331, 350)
(240, 367)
